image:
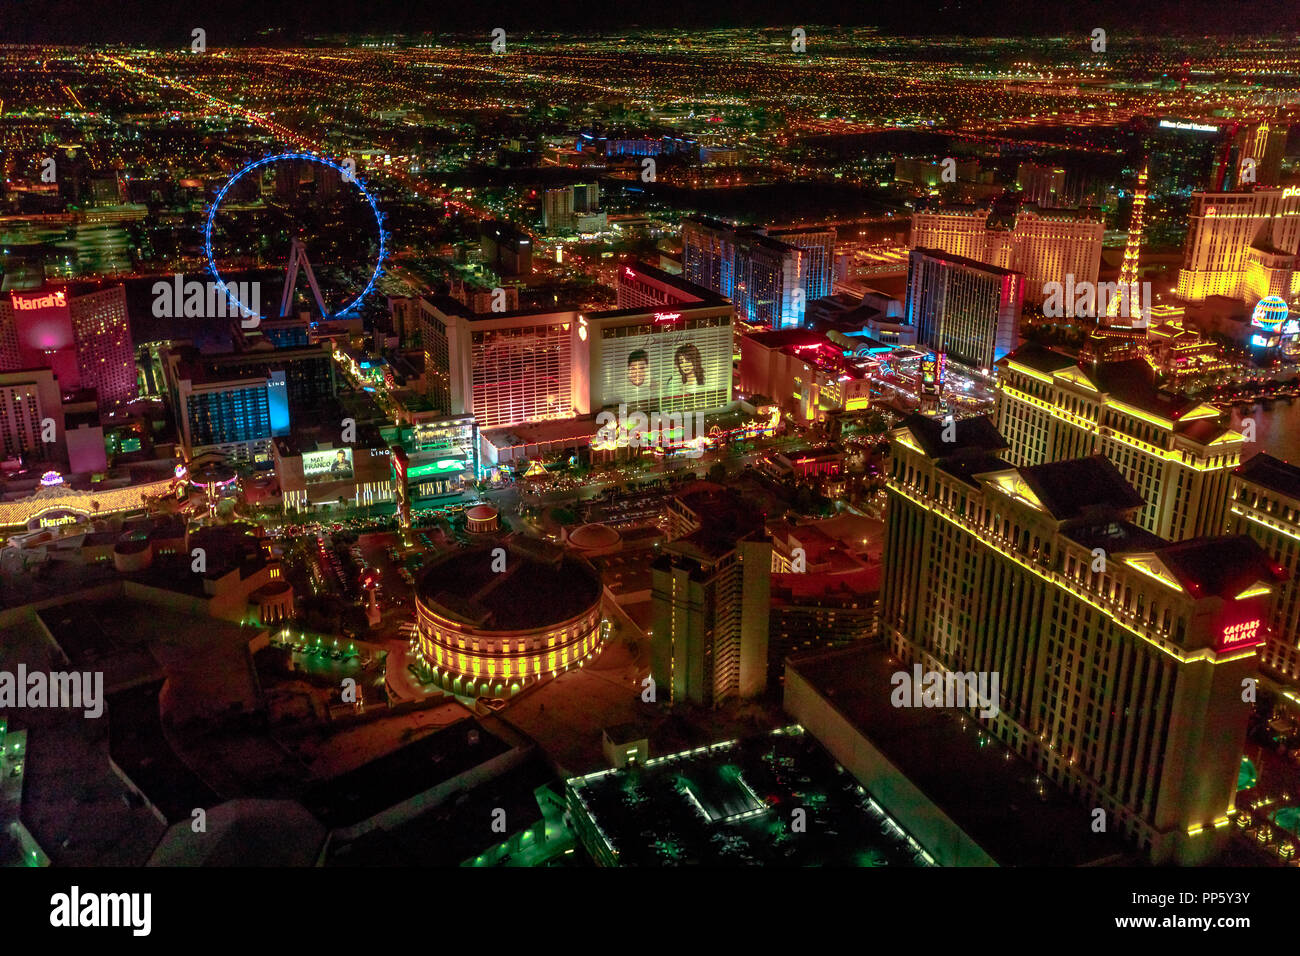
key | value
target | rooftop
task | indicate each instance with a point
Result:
(1221, 566)
(968, 466)
(1131, 382)
(729, 804)
(452, 833)
(541, 585)
(1272, 473)
(1039, 358)
(1016, 816)
(1115, 537)
(836, 587)
(531, 433)
(971, 435)
(245, 832)
(395, 777)
(724, 516)
(963, 261)
(594, 537)
(1073, 488)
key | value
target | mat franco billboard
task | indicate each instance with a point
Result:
(332, 464)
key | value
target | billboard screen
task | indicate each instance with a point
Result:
(438, 469)
(334, 464)
(933, 366)
(669, 368)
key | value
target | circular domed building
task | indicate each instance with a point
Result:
(595, 539)
(491, 623)
(481, 519)
(131, 551)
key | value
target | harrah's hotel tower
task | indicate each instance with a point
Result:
(84, 339)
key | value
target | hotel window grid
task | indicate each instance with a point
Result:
(970, 590)
(522, 375)
(237, 415)
(20, 419)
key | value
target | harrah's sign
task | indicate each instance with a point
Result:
(52, 301)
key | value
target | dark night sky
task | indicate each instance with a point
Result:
(233, 21)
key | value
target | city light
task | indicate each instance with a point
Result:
(660, 395)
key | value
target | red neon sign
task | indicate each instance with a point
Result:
(668, 316)
(54, 300)
(1234, 635)
(629, 273)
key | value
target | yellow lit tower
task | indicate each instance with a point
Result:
(1128, 301)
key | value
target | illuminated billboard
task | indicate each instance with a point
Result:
(445, 433)
(1185, 125)
(334, 464)
(669, 367)
(933, 368)
(437, 469)
(1269, 313)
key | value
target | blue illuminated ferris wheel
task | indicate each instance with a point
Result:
(297, 256)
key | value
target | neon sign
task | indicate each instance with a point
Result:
(668, 316)
(1198, 127)
(1290, 191)
(629, 273)
(1269, 313)
(54, 300)
(1243, 633)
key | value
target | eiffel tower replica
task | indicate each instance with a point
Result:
(1121, 334)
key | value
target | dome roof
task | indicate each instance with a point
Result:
(594, 537)
(542, 586)
(481, 513)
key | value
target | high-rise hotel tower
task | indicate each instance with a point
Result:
(770, 275)
(963, 308)
(1045, 245)
(84, 339)
(1242, 245)
(710, 592)
(1265, 504)
(1174, 450)
(1120, 655)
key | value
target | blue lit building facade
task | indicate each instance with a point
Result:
(769, 278)
(236, 403)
